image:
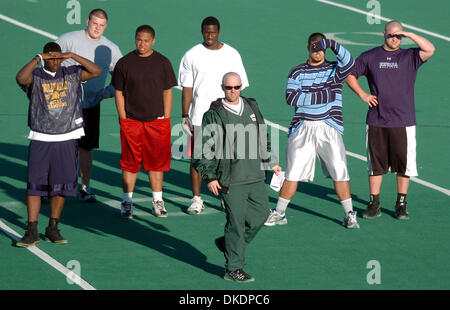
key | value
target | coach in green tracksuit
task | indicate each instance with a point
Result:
(232, 159)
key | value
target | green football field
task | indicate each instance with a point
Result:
(178, 253)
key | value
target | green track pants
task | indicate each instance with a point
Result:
(247, 209)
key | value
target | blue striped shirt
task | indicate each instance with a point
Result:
(316, 91)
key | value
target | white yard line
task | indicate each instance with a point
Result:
(46, 258)
(350, 8)
(363, 158)
(28, 27)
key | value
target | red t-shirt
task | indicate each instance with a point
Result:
(142, 81)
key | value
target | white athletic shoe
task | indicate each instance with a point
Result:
(196, 206)
(158, 208)
(276, 219)
(350, 220)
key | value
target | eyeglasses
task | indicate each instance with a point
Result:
(231, 87)
(388, 36)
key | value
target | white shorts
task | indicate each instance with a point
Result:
(316, 139)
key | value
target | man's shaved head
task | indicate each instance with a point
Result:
(391, 25)
(230, 74)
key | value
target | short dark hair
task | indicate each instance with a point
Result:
(145, 28)
(211, 21)
(98, 13)
(315, 37)
(51, 47)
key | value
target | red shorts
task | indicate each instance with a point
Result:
(147, 143)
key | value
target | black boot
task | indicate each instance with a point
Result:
(52, 232)
(31, 236)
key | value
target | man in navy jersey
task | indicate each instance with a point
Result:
(56, 123)
(391, 144)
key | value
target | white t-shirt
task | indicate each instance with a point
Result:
(234, 108)
(203, 69)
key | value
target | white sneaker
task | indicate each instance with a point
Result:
(276, 219)
(196, 206)
(350, 220)
(158, 208)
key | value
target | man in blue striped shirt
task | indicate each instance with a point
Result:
(314, 88)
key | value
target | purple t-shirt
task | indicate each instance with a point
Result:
(391, 77)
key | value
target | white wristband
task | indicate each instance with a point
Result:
(42, 60)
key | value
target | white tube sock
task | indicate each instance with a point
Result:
(127, 197)
(347, 205)
(157, 196)
(282, 205)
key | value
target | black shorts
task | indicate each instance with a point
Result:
(391, 149)
(91, 119)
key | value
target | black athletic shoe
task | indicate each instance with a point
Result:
(373, 210)
(220, 244)
(401, 211)
(126, 209)
(238, 275)
(31, 236)
(52, 233)
(86, 195)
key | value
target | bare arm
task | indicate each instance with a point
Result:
(120, 104)
(90, 71)
(186, 99)
(23, 77)
(352, 82)
(167, 102)
(426, 47)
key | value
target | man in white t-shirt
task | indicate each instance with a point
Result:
(200, 75)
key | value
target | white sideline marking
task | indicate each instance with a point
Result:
(363, 158)
(28, 27)
(44, 256)
(414, 179)
(437, 35)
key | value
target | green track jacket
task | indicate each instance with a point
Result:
(212, 163)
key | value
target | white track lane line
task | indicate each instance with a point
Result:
(349, 8)
(28, 27)
(47, 258)
(363, 158)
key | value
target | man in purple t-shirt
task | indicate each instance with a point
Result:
(390, 134)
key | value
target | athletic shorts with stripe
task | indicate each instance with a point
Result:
(52, 168)
(316, 139)
(391, 149)
(146, 143)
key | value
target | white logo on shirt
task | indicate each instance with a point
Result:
(388, 65)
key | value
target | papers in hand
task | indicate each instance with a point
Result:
(277, 181)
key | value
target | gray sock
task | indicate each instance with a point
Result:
(282, 205)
